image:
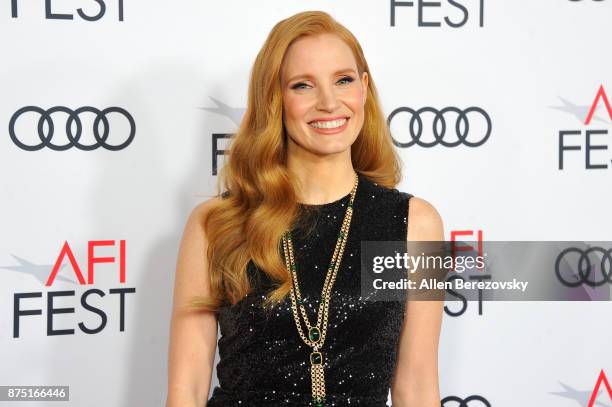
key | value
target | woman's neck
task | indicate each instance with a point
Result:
(322, 182)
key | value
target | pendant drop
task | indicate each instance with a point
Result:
(318, 378)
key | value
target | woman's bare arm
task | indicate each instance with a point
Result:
(416, 376)
(193, 335)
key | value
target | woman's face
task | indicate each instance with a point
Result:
(323, 95)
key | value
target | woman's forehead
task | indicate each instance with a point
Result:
(323, 53)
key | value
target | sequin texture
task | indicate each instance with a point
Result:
(263, 361)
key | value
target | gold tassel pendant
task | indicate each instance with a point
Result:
(318, 378)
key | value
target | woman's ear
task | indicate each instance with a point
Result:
(364, 84)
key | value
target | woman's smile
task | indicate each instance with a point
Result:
(330, 126)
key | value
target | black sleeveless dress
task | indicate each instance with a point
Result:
(263, 360)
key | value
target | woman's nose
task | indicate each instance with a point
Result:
(327, 99)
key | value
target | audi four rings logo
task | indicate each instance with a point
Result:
(472, 401)
(588, 273)
(472, 126)
(73, 129)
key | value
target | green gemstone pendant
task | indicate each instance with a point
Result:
(314, 334)
(318, 403)
(316, 358)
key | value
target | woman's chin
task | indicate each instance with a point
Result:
(323, 146)
(331, 150)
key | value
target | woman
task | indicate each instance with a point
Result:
(275, 259)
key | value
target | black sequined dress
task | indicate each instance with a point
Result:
(263, 360)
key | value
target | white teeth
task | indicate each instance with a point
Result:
(331, 124)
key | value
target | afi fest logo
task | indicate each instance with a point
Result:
(449, 13)
(460, 235)
(589, 398)
(30, 305)
(234, 114)
(601, 379)
(591, 141)
(55, 10)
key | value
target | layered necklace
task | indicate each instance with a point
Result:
(315, 336)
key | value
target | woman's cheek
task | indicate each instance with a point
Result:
(357, 100)
(296, 106)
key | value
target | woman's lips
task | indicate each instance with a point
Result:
(333, 130)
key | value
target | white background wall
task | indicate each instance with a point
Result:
(166, 61)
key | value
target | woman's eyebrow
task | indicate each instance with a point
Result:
(310, 76)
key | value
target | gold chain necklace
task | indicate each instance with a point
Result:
(317, 333)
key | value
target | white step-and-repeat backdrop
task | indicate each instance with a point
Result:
(113, 121)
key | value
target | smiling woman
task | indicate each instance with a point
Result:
(322, 95)
(274, 260)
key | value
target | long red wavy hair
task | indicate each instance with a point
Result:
(259, 200)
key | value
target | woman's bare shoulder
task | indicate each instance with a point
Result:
(424, 221)
(191, 259)
(201, 209)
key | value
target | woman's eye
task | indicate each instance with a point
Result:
(302, 85)
(299, 85)
(348, 79)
